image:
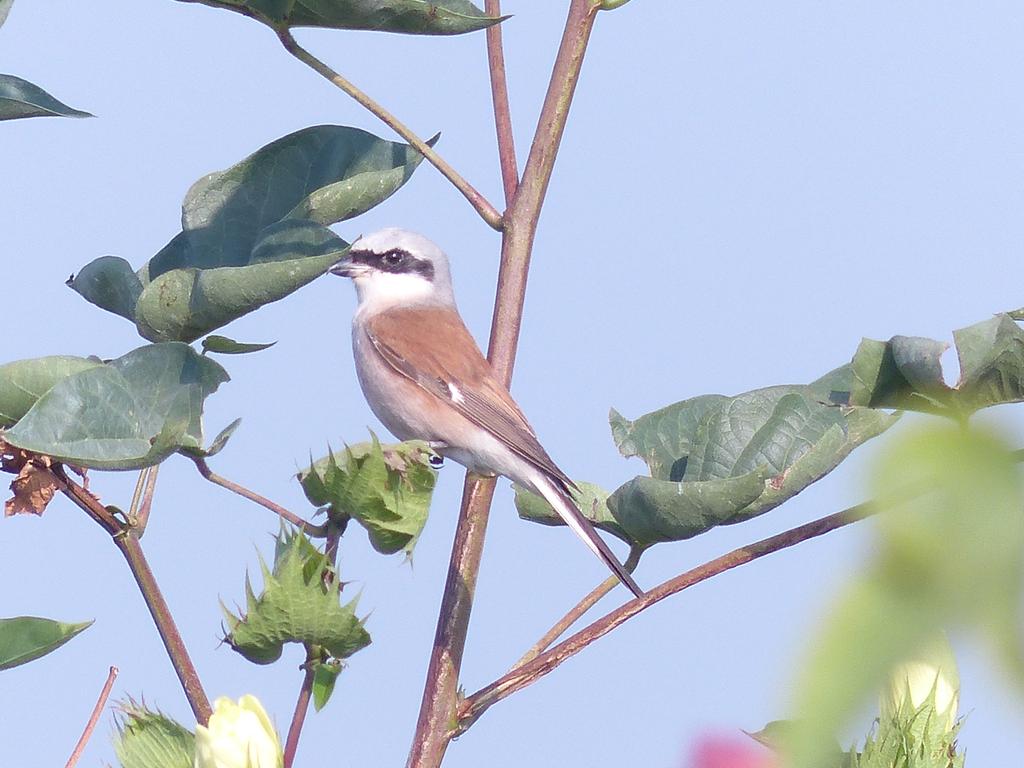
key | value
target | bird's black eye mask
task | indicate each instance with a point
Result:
(396, 260)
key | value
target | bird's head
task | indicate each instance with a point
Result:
(397, 268)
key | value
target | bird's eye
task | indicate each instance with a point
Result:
(392, 258)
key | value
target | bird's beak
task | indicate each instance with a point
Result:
(344, 268)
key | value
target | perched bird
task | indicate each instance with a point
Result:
(425, 378)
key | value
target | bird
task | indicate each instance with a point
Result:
(425, 378)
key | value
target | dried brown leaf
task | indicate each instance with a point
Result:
(33, 488)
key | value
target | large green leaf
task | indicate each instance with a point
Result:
(20, 98)
(26, 638)
(151, 740)
(130, 413)
(416, 17)
(904, 372)
(252, 234)
(5, 8)
(25, 381)
(949, 554)
(300, 603)
(716, 460)
(387, 489)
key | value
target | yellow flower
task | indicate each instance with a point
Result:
(912, 683)
(238, 736)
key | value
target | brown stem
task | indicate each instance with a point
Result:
(487, 211)
(520, 677)
(130, 547)
(502, 111)
(579, 609)
(308, 528)
(90, 726)
(440, 694)
(127, 542)
(301, 707)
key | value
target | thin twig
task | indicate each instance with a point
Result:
(519, 678)
(440, 693)
(140, 511)
(301, 707)
(310, 529)
(584, 605)
(487, 211)
(128, 543)
(90, 726)
(502, 111)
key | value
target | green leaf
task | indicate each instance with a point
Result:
(387, 489)
(652, 511)
(216, 445)
(110, 283)
(130, 413)
(224, 346)
(25, 381)
(5, 8)
(717, 460)
(592, 500)
(27, 638)
(152, 740)
(416, 17)
(325, 675)
(904, 372)
(950, 553)
(252, 234)
(20, 98)
(300, 603)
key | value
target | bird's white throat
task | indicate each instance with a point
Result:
(378, 291)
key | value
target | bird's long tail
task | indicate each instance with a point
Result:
(566, 508)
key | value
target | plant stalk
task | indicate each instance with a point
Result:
(90, 726)
(438, 710)
(480, 203)
(527, 674)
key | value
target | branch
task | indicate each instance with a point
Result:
(301, 707)
(502, 111)
(308, 528)
(90, 726)
(440, 694)
(127, 541)
(520, 677)
(579, 609)
(487, 211)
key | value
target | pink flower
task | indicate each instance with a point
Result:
(729, 752)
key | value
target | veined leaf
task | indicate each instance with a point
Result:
(130, 413)
(717, 460)
(252, 234)
(904, 372)
(25, 381)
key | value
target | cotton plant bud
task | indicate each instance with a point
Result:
(912, 682)
(238, 736)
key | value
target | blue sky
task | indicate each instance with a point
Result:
(745, 190)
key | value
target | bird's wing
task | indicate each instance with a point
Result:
(450, 366)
